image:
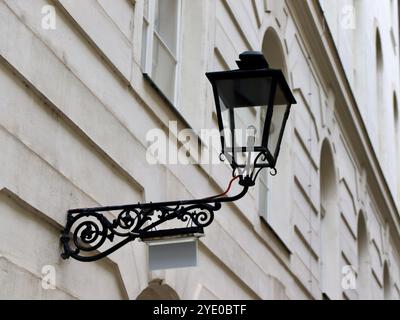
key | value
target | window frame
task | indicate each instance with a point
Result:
(148, 47)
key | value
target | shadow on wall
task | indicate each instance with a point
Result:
(330, 225)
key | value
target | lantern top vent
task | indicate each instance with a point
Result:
(252, 60)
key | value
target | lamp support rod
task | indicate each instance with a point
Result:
(89, 235)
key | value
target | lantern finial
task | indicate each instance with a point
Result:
(252, 60)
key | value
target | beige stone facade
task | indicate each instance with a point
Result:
(75, 110)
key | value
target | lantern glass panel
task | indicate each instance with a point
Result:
(241, 102)
(248, 132)
(226, 131)
(237, 137)
(281, 104)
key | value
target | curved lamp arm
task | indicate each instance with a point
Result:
(89, 230)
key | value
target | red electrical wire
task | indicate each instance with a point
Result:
(224, 193)
(229, 187)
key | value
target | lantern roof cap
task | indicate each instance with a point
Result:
(238, 74)
(252, 60)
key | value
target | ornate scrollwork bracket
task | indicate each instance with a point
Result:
(93, 233)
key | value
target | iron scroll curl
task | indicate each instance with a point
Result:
(93, 233)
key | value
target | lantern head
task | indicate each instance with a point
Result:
(253, 104)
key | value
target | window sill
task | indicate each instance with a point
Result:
(270, 235)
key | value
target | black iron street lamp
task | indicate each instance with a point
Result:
(253, 105)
